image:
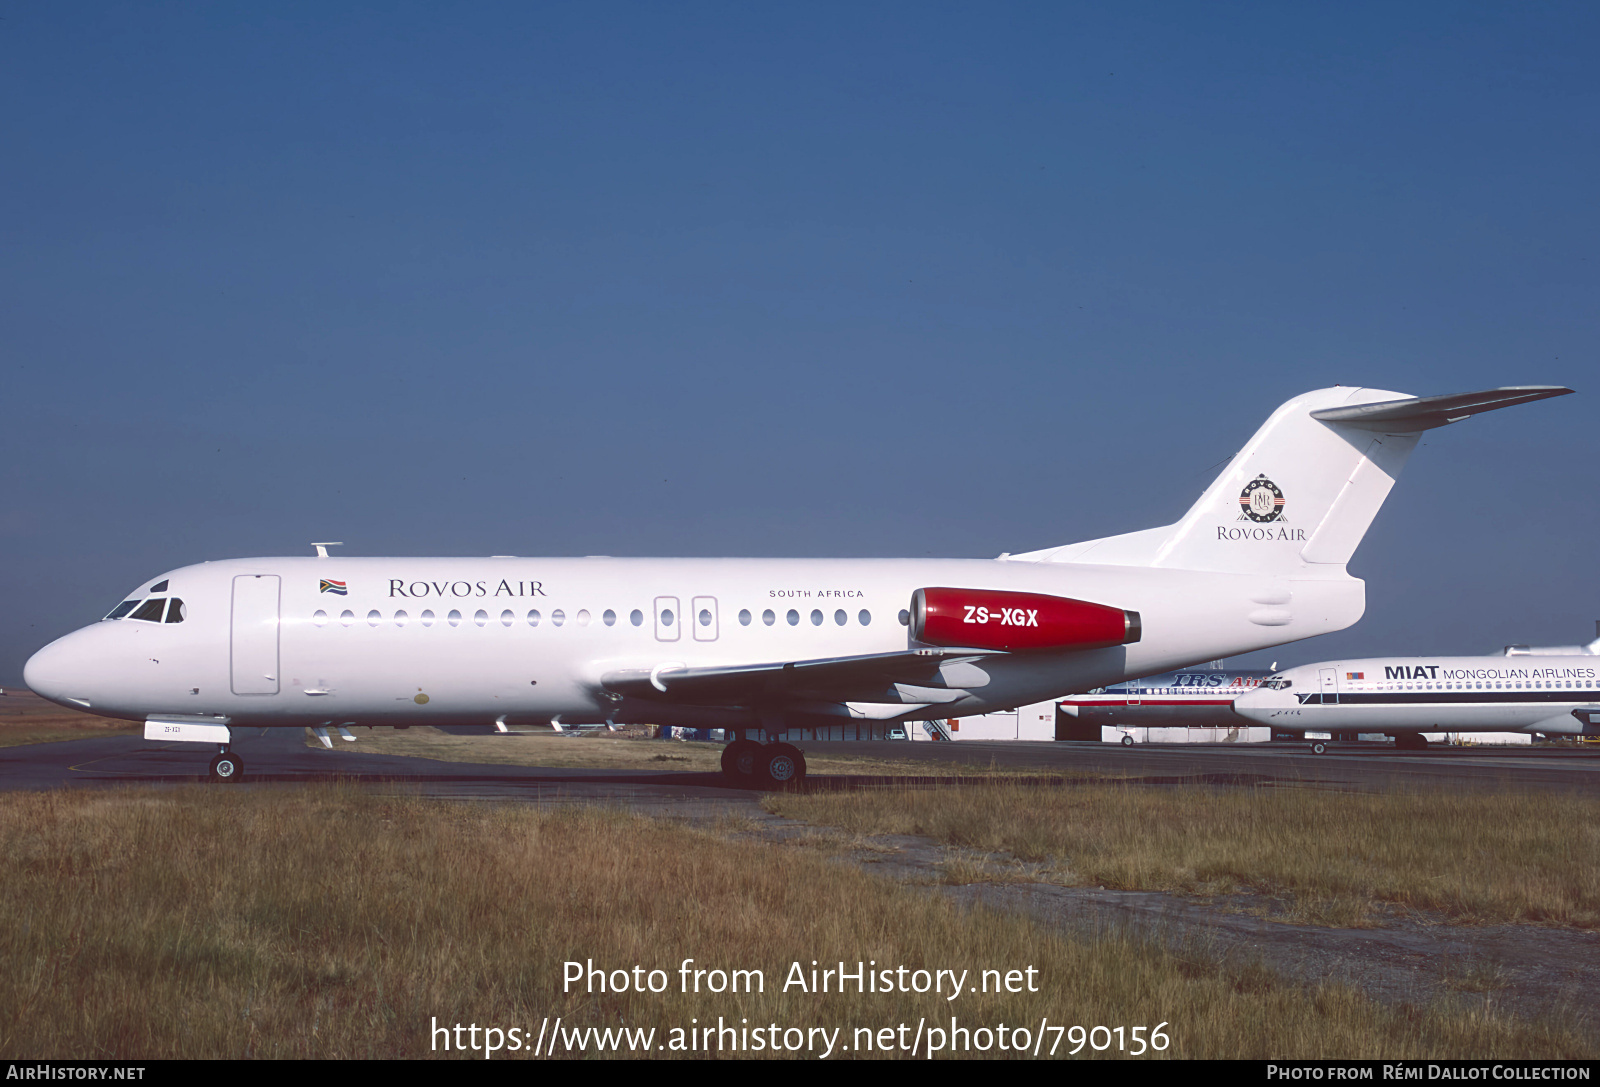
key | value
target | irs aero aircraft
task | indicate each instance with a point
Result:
(1551, 690)
(1149, 709)
(758, 646)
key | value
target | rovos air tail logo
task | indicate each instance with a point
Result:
(1261, 501)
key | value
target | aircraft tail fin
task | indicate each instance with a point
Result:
(1299, 497)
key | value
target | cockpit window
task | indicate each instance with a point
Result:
(159, 587)
(1278, 683)
(151, 609)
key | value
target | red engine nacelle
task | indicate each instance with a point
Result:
(991, 619)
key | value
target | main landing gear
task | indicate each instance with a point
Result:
(226, 768)
(767, 766)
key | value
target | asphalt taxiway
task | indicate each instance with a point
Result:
(280, 757)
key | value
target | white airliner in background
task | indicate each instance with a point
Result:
(1162, 709)
(759, 645)
(1553, 690)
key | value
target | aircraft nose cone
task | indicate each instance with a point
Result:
(1258, 704)
(54, 671)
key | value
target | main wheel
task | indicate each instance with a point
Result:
(782, 766)
(226, 768)
(1319, 747)
(739, 758)
(1127, 741)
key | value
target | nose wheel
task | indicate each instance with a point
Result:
(226, 768)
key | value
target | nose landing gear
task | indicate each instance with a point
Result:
(226, 768)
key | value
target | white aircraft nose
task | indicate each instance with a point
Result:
(1261, 703)
(59, 671)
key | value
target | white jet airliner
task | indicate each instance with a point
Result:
(758, 646)
(1553, 690)
(1161, 709)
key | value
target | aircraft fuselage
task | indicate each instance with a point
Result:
(1554, 694)
(298, 641)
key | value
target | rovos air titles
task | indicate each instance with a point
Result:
(758, 646)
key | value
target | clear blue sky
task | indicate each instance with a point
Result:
(855, 279)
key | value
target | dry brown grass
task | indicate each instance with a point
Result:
(203, 922)
(25, 718)
(1329, 856)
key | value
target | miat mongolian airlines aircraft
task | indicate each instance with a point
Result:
(1554, 690)
(759, 646)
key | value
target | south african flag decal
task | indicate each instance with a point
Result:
(337, 588)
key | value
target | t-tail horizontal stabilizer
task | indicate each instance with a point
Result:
(1298, 498)
(1427, 412)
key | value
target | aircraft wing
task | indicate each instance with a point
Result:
(744, 684)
